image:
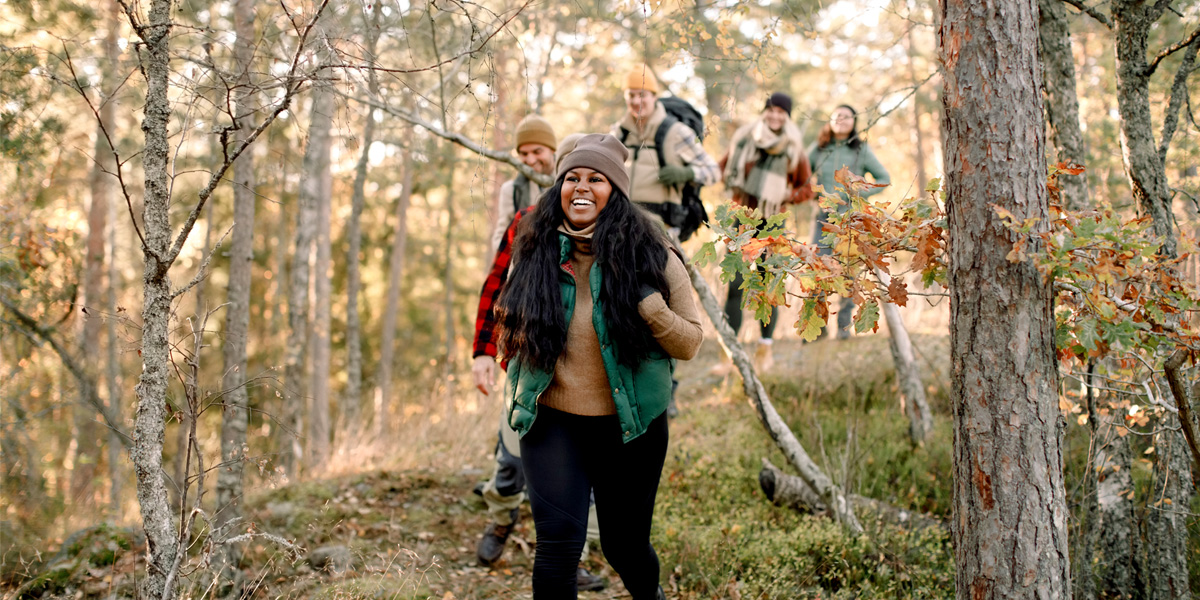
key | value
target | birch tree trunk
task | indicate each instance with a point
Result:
(784, 438)
(918, 134)
(236, 403)
(295, 362)
(908, 372)
(1010, 510)
(387, 346)
(151, 389)
(353, 396)
(321, 142)
(1062, 102)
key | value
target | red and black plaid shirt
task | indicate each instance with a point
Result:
(485, 318)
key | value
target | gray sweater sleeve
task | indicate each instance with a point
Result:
(676, 326)
(872, 165)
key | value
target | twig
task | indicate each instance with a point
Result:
(1091, 12)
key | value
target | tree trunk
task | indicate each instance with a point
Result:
(236, 402)
(918, 134)
(116, 474)
(295, 363)
(321, 142)
(908, 372)
(1147, 176)
(448, 283)
(1165, 526)
(1166, 521)
(383, 390)
(1062, 103)
(88, 435)
(1010, 510)
(156, 309)
(352, 423)
(1119, 571)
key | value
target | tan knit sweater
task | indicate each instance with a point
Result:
(580, 383)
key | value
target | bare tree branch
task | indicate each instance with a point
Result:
(1183, 401)
(457, 138)
(1178, 94)
(1184, 43)
(30, 328)
(1091, 12)
(294, 84)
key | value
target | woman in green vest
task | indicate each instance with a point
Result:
(593, 316)
(838, 145)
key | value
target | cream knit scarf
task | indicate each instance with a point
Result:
(760, 162)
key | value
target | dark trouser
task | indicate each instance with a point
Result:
(733, 308)
(845, 312)
(565, 455)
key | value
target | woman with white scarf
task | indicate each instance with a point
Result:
(766, 168)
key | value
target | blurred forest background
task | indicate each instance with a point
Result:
(369, 177)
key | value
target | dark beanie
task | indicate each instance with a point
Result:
(600, 152)
(781, 100)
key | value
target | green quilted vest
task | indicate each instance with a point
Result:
(640, 393)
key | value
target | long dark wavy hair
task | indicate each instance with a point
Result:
(825, 137)
(629, 247)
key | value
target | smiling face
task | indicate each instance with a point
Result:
(842, 122)
(640, 103)
(584, 194)
(537, 157)
(775, 117)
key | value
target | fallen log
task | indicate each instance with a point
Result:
(792, 492)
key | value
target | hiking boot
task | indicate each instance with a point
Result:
(491, 545)
(586, 582)
(478, 489)
(764, 359)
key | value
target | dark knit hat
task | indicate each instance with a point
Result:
(781, 100)
(600, 152)
(535, 130)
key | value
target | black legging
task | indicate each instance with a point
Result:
(733, 308)
(565, 455)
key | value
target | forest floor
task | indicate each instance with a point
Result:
(410, 532)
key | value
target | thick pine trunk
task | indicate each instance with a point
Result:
(236, 402)
(156, 310)
(352, 400)
(1062, 103)
(320, 141)
(1010, 510)
(387, 345)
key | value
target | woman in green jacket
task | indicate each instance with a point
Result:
(838, 145)
(595, 313)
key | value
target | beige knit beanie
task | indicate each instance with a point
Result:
(600, 152)
(565, 147)
(535, 130)
(641, 78)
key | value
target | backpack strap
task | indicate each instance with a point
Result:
(660, 138)
(520, 195)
